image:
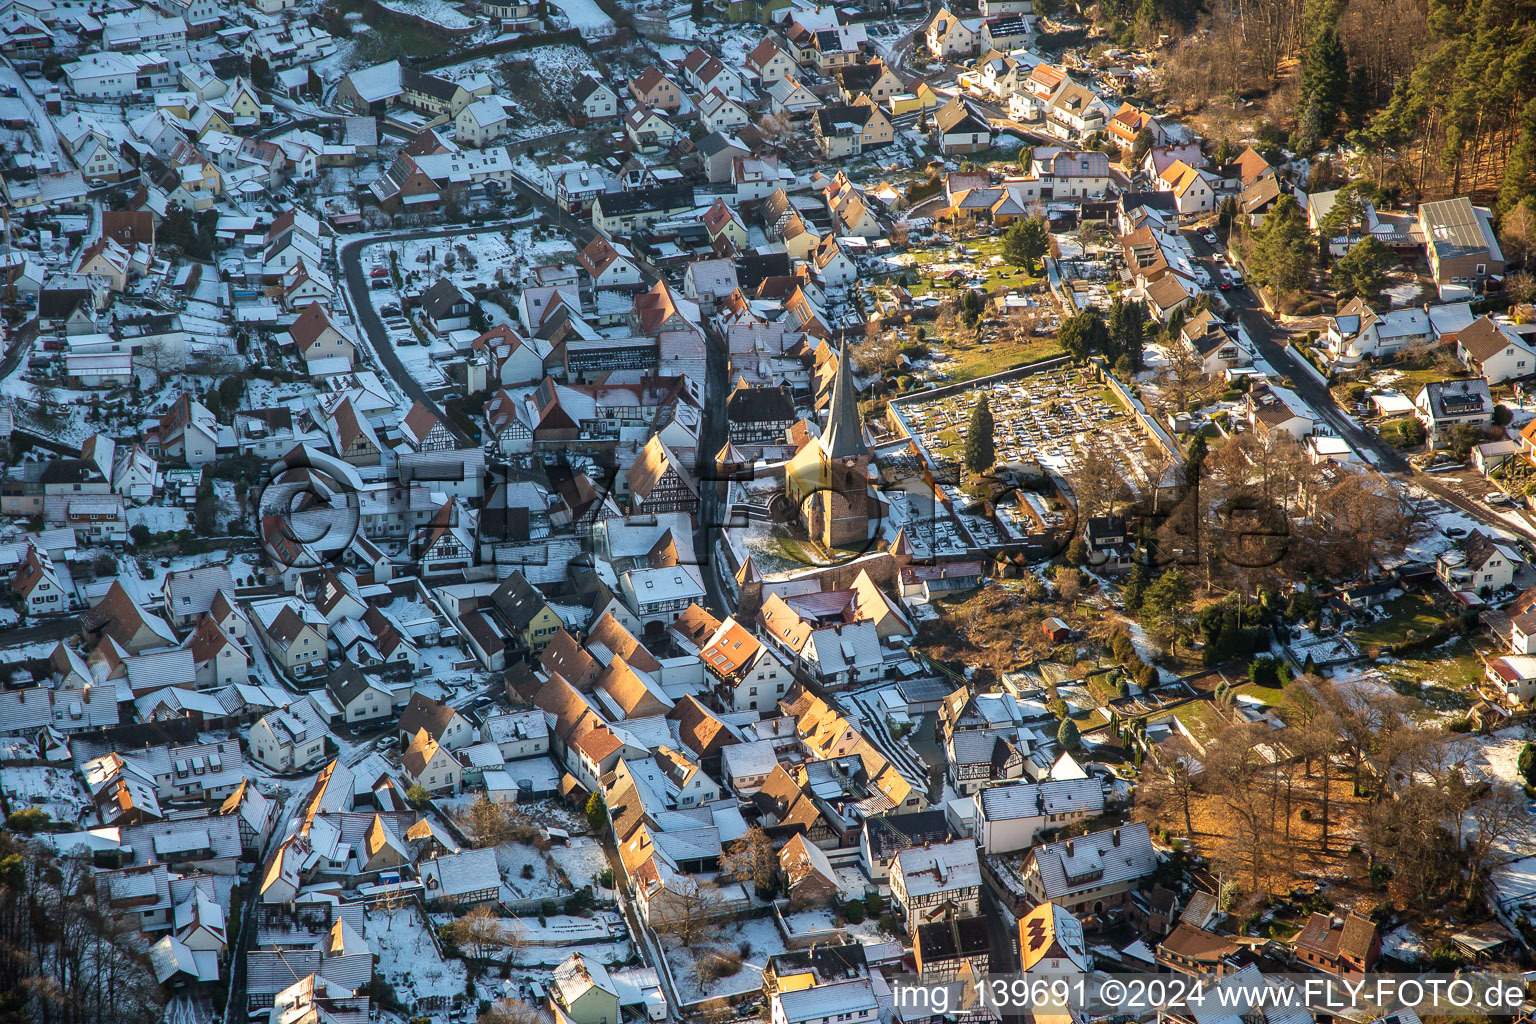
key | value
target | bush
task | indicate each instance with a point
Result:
(1264, 670)
(854, 911)
(716, 965)
(1122, 647)
(1306, 814)
(875, 902)
(1502, 415)
(28, 821)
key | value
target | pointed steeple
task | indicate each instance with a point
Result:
(748, 572)
(844, 437)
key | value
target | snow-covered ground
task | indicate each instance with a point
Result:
(439, 12)
(759, 936)
(527, 873)
(56, 790)
(587, 18)
(407, 957)
(582, 861)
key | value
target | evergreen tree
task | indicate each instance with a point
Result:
(1527, 764)
(1165, 609)
(1026, 242)
(980, 451)
(1135, 587)
(1363, 271)
(597, 813)
(1194, 460)
(1127, 332)
(972, 306)
(1141, 145)
(1083, 334)
(1324, 86)
(1068, 736)
(1282, 252)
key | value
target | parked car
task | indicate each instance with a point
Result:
(1497, 498)
(1210, 237)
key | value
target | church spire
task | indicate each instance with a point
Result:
(844, 437)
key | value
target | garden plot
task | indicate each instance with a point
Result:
(697, 970)
(55, 790)
(528, 873)
(582, 861)
(825, 919)
(408, 958)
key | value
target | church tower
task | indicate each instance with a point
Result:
(829, 480)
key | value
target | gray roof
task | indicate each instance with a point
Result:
(346, 682)
(1454, 227)
(1030, 799)
(1098, 859)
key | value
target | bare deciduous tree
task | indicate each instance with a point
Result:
(751, 859)
(513, 1011)
(690, 912)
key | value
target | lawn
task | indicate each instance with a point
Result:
(1410, 381)
(972, 359)
(1409, 615)
(1444, 679)
(999, 275)
(1274, 696)
(1200, 719)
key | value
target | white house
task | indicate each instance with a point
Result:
(1010, 816)
(290, 739)
(1443, 405)
(594, 100)
(482, 122)
(720, 113)
(929, 883)
(1357, 331)
(358, 697)
(1494, 351)
(37, 583)
(1480, 563)
(1514, 675)
(429, 764)
(1272, 408)
(843, 1002)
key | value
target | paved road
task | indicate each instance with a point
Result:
(1272, 339)
(43, 629)
(350, 257)
(42, 124)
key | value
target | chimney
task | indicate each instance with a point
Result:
(1115, 835)
(1069, 847)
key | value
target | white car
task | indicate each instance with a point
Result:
(1497, 498)
(1210, 237)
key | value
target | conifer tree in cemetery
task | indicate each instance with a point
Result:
(980, 449)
